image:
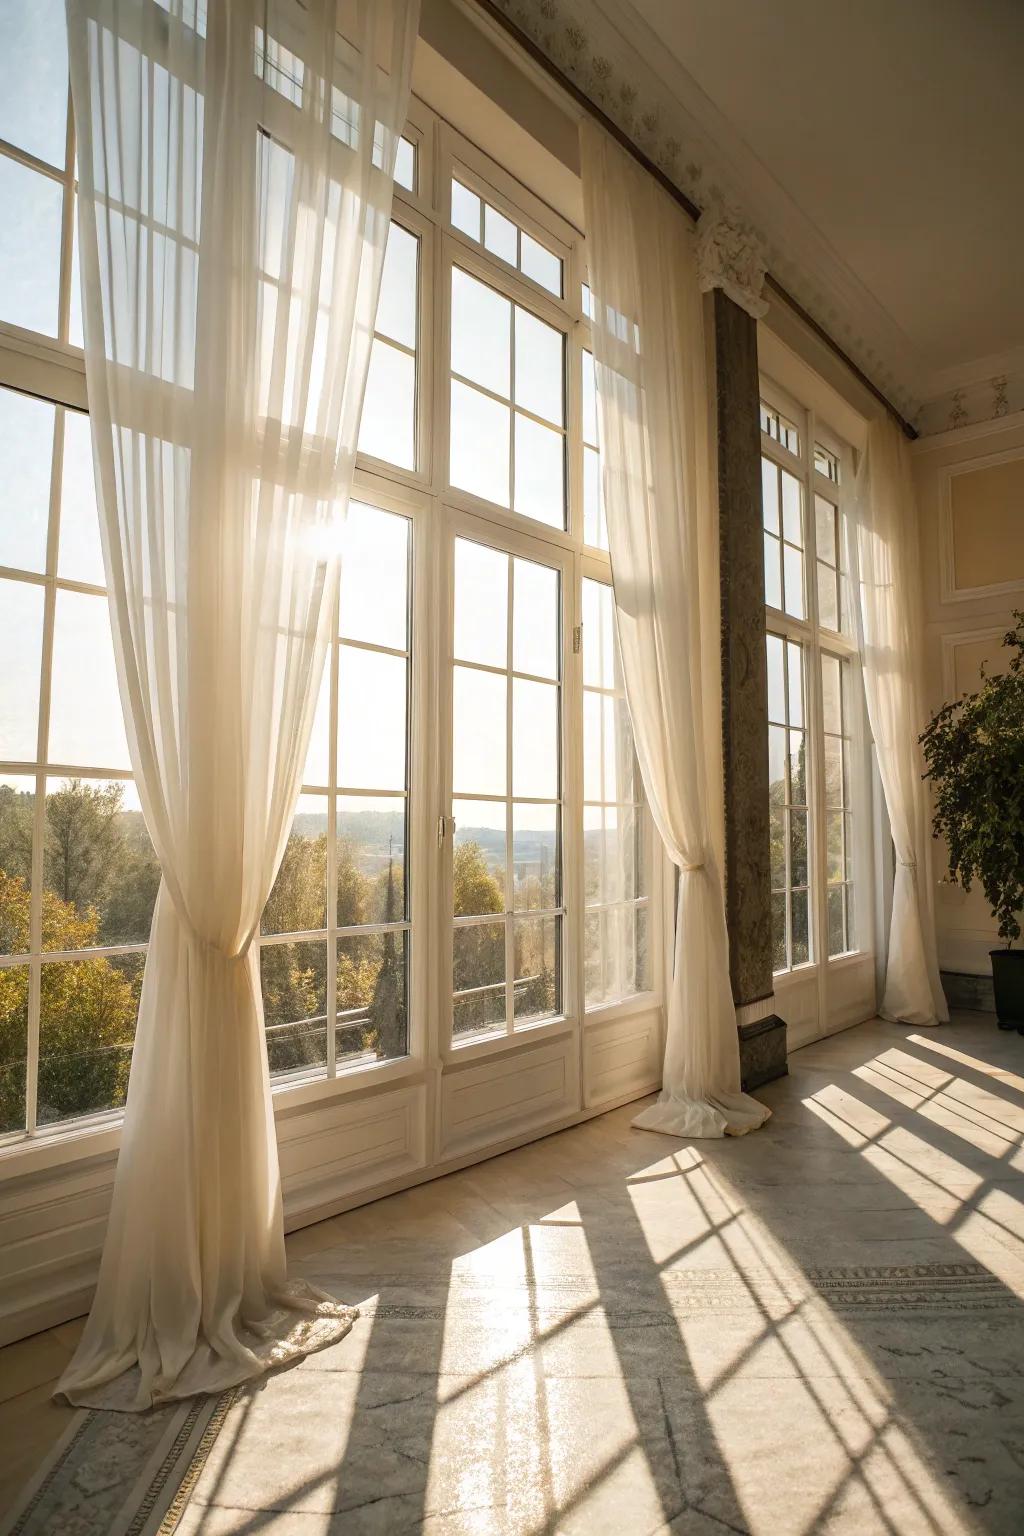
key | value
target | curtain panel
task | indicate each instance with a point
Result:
(235, 173)
(652, 430)
(885, 563)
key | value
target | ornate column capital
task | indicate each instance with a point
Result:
(730, 256)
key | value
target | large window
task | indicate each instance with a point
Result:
(815, 699)
(471, 734)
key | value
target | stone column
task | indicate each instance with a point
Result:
(730, 265)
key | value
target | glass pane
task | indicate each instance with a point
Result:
(772, 572)
(13, 1040)
(87, 1015)
(294, 978)
(372, 1022)
(34, 78)
(371, 719)
(478, 977)
(387, 427)
(535, 857)
(86, 724)
(798, 767)
(372, 875)
(534, 739)
(17, 811)
(607, 749)
(836, 922)
(595, 531)
(481, 339)
(536, 991)
(26, 452)
(539, 472)
(776, 680)
(831, 697)
(481, 603)
(770, 495)
(611, 864)
(779, 961)
(795, 670)
(793, 577)
(825, 529)
(479, 446)
(375, 577)
(777, 765)
(478, 863)
(792, 523)
(80, 553)
(298, 901)
(396, 308)
(540, 368)
(501, 236)
(535, 616)
(405, 165)
(600, 654)
(317, 767)
(99, 867)
(801, 931)
(828, 597)
(798, 847)
(465, 210)
(833, 770)
(589, 399)
(29, 247)
(540, 264)
(777, 835)
(21, 644)
(835, 846)
(479, 732)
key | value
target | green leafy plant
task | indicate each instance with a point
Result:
(974, 749)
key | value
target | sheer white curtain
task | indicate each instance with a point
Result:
(235, 190)
(885, 556)
(652, 429)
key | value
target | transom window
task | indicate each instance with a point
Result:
(472, 215)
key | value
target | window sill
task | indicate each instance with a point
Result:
(493, 1045)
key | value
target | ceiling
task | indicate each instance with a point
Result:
(895, 127)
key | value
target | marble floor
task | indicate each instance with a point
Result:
(815, 1329)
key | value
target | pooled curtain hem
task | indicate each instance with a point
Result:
(727, 1114)
(894, 1017)
(305, 1319)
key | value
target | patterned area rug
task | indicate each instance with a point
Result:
(121, 1474)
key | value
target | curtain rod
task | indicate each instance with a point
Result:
(526, 42)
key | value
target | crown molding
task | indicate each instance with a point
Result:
(952, 437)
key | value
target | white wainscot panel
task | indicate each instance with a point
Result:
(850, 993)
(621, 1057)
(796, 1001)
(508, 1095)
(329, 1151)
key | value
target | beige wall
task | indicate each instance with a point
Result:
(970, 487)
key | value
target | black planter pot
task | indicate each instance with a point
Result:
(1008, 985)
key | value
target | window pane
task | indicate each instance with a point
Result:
(371, 719)
(375, 577)
(831, 698)
(396, 308)
(540, 368)
(317, 767)
(607, 748)
(777, 822)
(534, 739)
(540, 472)
(770, 495)
(589, 399)
(611, 864)
(600, 653)
(34, 78)
(615, 954)
(26, 452)
(479, 732)
(779, 960)
(99, 866)
(801, 930)
(825, 529)
(87, 1016)
(481, 603)
(478, 874)
(798, 767)
(535, 857)
(836, 923)
(17, 812)
(535, 619)
(594, 530)
(835, 846)
(294, 978)
(772, 572)
(465, 210)
(792, 522)
(298, 901)
(86, 724)
(776, 680)
(777, 751)
(479, 445)
(387, 427)
(537, 262)
(828, 597)
(478, 953)
(372, 998)
(481, 326)
(537, 990)
(13, 1041)
(795, 671)
(372, 873)
(500, 235)
(21, 644)
(80, 553)
(833, 771)
(29, 247)
(405, 165)
(798, 847)
(793, 577)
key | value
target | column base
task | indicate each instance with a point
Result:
(762, 1052)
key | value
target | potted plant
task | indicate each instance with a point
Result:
(974, 750)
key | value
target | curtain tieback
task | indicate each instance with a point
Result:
(907, 863)
(689, 869)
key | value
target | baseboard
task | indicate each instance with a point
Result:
(974, 993)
